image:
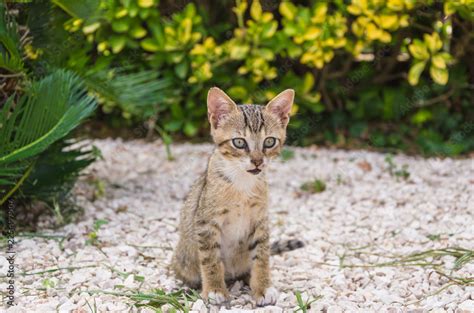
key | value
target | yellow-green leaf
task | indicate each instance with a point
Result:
(388, 21)
(186, 27)
(256, 10)
(415, 72)
(150, 45)
(433, 42)
(320, 11)
(266, 53)
(121, 13)
(449, 8)
(439, 75)
(395, 5)
(446, 56)
(237, 92)
(117, 43)
(137, 32)
(354, 9)
(312, 33)
(269, 29)
(419, 50)
(308, 82)
(146, 3)
(294, 51)
(438, 61)
(288, 10)
(239, 52)
(89, 29)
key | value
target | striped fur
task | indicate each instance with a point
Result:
(224, 228)
(278, 247)
(253, 117)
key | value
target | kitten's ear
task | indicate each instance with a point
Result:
(281, 105)
(219, 105)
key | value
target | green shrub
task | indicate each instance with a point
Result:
(389, 74)
(38, 162)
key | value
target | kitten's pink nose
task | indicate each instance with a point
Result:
(256, 162)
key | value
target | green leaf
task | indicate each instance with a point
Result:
(173, 126)
(422, 116)
(157, 30)
(10, 56)
(181, 69)
(85, 9)
(415, 72)
(237, 92)
(121, 25)
(189, 129)
(439, 75)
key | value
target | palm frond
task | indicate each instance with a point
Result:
(57, 169)
(46, 113)
(84, 9)
(137, 93)
(10, 56)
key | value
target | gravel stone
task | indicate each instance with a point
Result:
(365, 215)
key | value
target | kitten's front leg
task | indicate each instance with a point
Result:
(260, 281)
(212, 269)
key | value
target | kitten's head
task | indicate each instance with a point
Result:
(247, 136)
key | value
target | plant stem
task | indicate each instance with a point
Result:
(18, 184)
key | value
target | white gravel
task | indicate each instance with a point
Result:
(364, 215)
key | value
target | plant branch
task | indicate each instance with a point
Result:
(443, 97)
(18, 184)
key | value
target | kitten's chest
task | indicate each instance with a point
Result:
(236, 228)
(236, 224)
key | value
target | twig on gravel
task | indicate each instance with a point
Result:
(151, 247)
(71, 268)
(178, 299)
(463, 256)
(41, 235)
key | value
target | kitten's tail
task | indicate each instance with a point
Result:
(281, 246)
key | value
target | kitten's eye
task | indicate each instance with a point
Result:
(269, 142)
(239, 143)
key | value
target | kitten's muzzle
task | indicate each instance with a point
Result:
(255, 171)
(256, 162)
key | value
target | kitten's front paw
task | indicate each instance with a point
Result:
(215, 297)
(269, 297)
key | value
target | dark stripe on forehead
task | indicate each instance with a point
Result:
(253, 117)
(241, 107)
(261, 118)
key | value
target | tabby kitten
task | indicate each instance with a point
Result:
(224, 231)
